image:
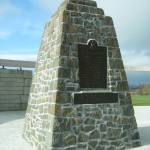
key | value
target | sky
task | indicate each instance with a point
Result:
(22, 25)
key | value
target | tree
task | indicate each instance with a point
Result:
(143, 89)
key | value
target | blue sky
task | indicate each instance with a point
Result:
(22, 25)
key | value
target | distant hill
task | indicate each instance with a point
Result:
(136, 78)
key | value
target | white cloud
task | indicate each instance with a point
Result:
(131, 19)
(8, 15)
(16, 20)
(48, 5)
(132, 24)
(7, 8)
(19, 51)
(30, 57)
(135, 58)
(31, 29)
(5, 34)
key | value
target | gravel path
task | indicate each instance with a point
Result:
(11, 124)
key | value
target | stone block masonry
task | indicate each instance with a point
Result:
(14, 89)
(56, 119)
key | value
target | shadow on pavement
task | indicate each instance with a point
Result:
(145, 135)
(7, 116)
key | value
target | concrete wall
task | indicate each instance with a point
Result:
(14, 89)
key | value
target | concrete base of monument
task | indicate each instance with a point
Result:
(11, 124)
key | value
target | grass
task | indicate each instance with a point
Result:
(140, 100)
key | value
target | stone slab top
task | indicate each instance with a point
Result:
(83, 2)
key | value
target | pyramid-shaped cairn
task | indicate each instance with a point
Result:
(79, 98)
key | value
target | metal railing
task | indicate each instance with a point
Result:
(31, 64)
(137, 68)
(16, 63)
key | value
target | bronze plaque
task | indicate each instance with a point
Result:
(92, 66)
(95, 98)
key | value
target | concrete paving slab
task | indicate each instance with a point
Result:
(142, 114)
(11, 125)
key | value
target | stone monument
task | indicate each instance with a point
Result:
(79, 98)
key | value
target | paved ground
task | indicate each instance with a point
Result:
(142, 115)
(11, 124)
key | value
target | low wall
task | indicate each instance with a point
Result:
(14, 89)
